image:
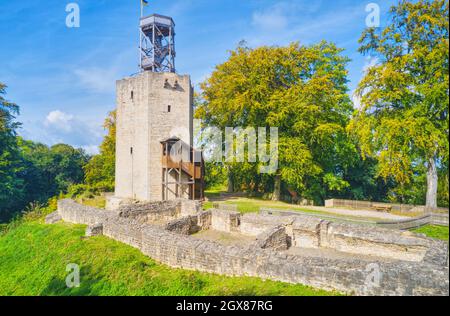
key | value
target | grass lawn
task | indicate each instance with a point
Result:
(253, 205)
(34, 256)
(438, 232)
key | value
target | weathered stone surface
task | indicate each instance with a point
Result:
(152, 212)
(225, 221)
(255, 224)
(53, 218)
(376, 241)
(94, 230)
(185, 226)
(275, 239)
(143, 121)
(350, 275)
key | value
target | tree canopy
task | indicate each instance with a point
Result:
(302, 90)
(403, 119)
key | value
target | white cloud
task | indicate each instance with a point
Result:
(59, 120)
(60, 127)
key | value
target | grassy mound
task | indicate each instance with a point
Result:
(34, 257)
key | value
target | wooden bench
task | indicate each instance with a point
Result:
(382, 208)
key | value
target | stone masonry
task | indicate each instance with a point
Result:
(151, 107)
(326, 255)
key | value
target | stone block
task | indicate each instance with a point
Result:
(275, 239)
(225, 221)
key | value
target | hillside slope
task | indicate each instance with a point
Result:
(34, 257)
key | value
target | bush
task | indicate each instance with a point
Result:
(34, 212)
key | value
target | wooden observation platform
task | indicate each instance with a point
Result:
(183, 170)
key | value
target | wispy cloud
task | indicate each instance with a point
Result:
(301, 21)
(273, 19)
(97, 79)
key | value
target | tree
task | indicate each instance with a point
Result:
(302, 90)
(48, 171)
(11, 186)
(31, 171)
(403, 119)
(100, 170)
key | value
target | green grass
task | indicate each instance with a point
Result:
(438, 232)
(34, 256)
(253, 205)
(98, 202)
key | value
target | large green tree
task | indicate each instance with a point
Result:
(403, 119)
(302, 90)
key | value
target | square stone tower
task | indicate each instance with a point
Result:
(151, 107)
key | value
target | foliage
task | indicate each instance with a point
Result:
(403, 119)
(34, 259)
(214, 175)
(11, 185)
(100, 170)
(31, 172)
(35, 211)
(51, 170)
(302, 90)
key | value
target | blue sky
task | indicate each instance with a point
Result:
(63, 78)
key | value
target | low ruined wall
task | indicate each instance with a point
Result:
(159, 211)
(275, 239)
(73, 212)
(312, 232)
(185, 226)
(306, 233)
(225, 221)
(370, 205)
(255, 224)
(346, 275)
(151, 212)
(440, 219)
(376, 242)
(407, 223)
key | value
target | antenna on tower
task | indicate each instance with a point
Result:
(156, 42)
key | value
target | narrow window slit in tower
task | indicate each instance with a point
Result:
(132, 95)
(169, 108)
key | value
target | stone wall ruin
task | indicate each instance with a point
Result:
(295, 249)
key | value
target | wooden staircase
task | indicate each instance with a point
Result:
(183, 163)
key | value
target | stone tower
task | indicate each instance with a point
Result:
(151, 107)
(154, 116)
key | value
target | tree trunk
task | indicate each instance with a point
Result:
(230, 180)
(277, 188)
(432, 184)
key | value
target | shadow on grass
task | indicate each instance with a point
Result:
(58, 287)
